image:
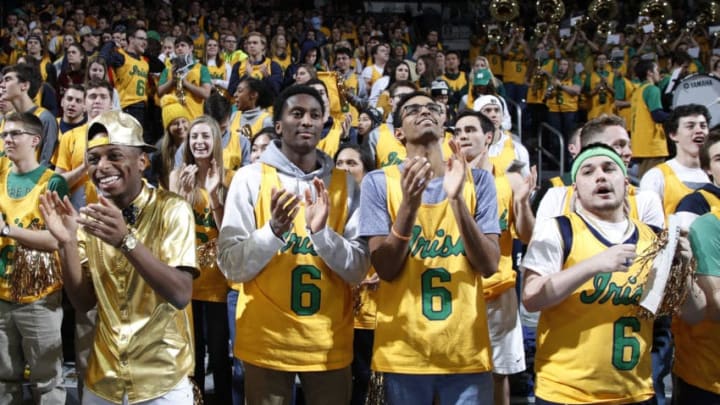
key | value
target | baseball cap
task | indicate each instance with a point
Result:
(482, 77)
(439, 88)
(86, 30)
(121, 129)
(485, 100)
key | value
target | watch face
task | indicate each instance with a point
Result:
(129, 243)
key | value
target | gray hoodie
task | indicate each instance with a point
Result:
(244, 249)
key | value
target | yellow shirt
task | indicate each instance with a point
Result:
(71, 153)
(24, 212)
(131, 80)
(602, 102)
(431, 319)
(232, 156)
(331, 143)
(365, 314)
(591, 347)
(515, 66)
(674, 190)
(296, 315)
(143, 345)
(647, 136)
(256, 68)
(539, 84)
(562, 101)
(211, 285)
(502, 161)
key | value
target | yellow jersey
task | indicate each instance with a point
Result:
(591, 347)
(515, 66)
(131, 80)
(437, 292)
(674, 189)
(211, 285)
(602, 102)
(502, 161)
(504, 278)
(647, 136)
(296, 315)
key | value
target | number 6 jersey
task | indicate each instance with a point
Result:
(431, 319)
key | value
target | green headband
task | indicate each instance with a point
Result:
(594, 151)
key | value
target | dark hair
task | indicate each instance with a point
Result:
(186, 39)
(264, 96)
(76, 86)
(485, 124)
(596, 126)
(27, 120)
(317, 81)
(95, 83)
(397, 115)
(281, 100)
(365, 158)
(673, 121)
(217, 107)
(344, 51)
(269, 131)
(711, 140)
(401, 83)
(134, 29)
(374, 49)
(642, 68)
(26, 73)
(680, 57)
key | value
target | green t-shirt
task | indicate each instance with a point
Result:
(705, 242)
(20, 184)
(651, 96)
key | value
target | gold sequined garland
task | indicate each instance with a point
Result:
(677, 286)
(207, 254)
(34, 271)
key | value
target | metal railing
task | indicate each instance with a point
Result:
(545, 127)
(518, 116)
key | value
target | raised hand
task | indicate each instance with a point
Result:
(346, 124)
(104, 220)
(316, 212)
(522, 187)
(60, 216)
(284, 206)
(212, 178)
(186, 179)
(414, 180)
(455, 172)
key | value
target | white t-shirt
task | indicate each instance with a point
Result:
(693, 177)
(545, 252)
(650, 209)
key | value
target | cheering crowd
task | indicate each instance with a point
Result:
(267, 196)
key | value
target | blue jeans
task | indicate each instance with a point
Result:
(238, 373)
(470, 389)
(662, 354)
(362, 356)
(540, 401)
(684, 393)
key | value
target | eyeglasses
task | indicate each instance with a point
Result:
(414, 109)
(15, 133)
(141, 38)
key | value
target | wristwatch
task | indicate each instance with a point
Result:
(5, 230)
(129, 242)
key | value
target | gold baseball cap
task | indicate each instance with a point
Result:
(121, 129)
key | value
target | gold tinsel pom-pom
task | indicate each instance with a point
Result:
(34, 271)
(676, 288)
(207, 254)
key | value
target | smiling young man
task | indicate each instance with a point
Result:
(30, 295)
(290, 235)
(432, 228)
(132, 254)
(580, 272)
(687, 127)
(196, 82)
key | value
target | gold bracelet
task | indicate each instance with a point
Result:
(397, 235)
